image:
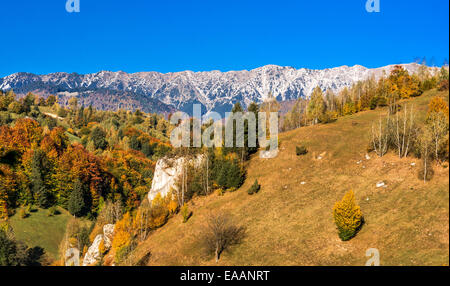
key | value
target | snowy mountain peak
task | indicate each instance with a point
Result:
(215, 90)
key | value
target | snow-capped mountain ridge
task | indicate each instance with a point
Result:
(179, 90)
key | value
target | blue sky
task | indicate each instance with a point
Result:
(39, 36)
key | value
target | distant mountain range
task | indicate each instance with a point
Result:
(215, 90)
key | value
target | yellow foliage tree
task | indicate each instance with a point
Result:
(7, 188)
(347, 216)
(122, 233)
(158, 200)
(401, 84)
(102, 247)
(437, 104)
(172, 206)
(3, 206)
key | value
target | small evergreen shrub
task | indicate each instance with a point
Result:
(23, 213)
(220, 192)
(347, 216)
(53, 211)
(300, 150)
(254, 188)
(31, 209)
(186, 213)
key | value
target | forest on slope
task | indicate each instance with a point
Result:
(98, 167)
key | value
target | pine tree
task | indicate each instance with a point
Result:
(222, 179)
(148, 149)
(43, 199)
(235, 176)
(38, 169)
(241, 151)
(254, 188)
(134, 143)
(8, 250)
(254, 108)
(76, 203)
(98, 137)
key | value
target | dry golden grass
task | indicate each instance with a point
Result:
(292, 224)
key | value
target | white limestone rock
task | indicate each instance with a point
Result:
(167, 171)
(93, 253)
(108, 232)
(381, 184)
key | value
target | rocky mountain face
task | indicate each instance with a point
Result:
(167, 172)
(215, 90)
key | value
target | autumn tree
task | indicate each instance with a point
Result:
(73, 104)
(8, 186)
(438, 122)
(3, 204)
(401, 84)
(425, 141)
(26, 132)
(380, 136)
(110, 213)
(438, 105)
(123, 237)
(443, 79)
(98, 137)
(51, 100)
(6, 100)
(220, 233)
(403, 131)
(77, 163)
(316, 106)
(347, 216)
(296, 117)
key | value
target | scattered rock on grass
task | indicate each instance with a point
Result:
(381, 184)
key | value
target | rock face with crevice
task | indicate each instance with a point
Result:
(93, 254)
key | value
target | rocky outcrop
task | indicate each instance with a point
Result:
(108, 232)
(93, 254)
(167, 172)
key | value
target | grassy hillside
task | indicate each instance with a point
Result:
(39, 229)
(289, 223)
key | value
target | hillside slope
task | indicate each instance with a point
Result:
(289, 223)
